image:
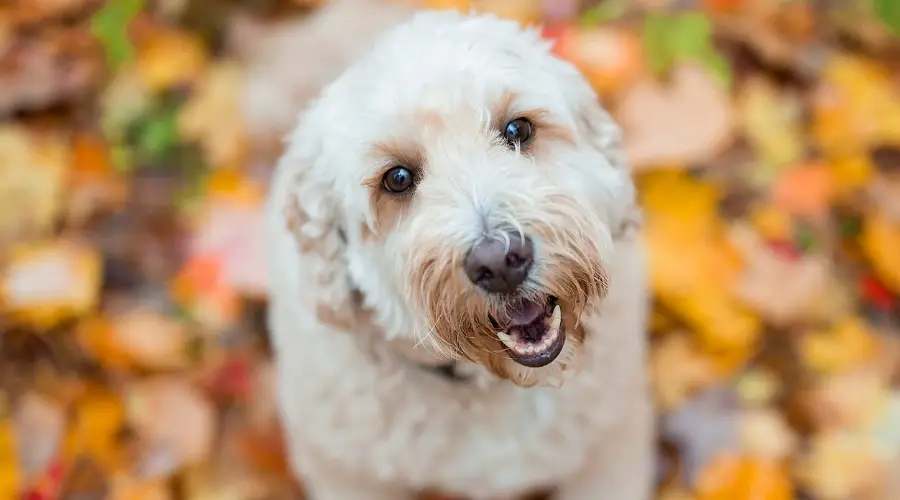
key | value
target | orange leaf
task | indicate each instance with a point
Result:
(733, 477)
(805, 190)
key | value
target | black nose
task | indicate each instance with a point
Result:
(495, 269)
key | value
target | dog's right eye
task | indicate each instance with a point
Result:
(398, 180)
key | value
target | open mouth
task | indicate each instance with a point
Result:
(532, 332)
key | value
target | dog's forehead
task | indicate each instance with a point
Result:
(449, 65)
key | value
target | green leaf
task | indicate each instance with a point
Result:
(159, 134)
(690, 35)
(889, 12)
(604, 12)
(686, 37)
(655, 36)
(110, 26)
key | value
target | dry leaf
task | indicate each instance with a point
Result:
(39, 427)
(212, 116)
(611, 59)
(686, 121)
(33, 169)
(168, 58)
(849, 344)
(48, 282)
(766, 435)
(771, 123)
(781, 289)
(849, 400)
(678, 370)
(734, 477)
(174, 421)
(840, 465)
(880, 240)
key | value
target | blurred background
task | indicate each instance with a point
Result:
(136, 141)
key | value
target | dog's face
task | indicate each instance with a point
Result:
(474, 182)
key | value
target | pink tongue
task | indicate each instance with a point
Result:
(525, 313)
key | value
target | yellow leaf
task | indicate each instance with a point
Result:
(856, 106)
(33, 169)
(880, 240)
(49, 282)
(9, 465)
(848, 344)
(679, 369)
(169, 58)
(771, 124)
(772, 223)
(97, 422)
(212, 116)
(851, 173)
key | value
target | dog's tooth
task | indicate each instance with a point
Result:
(555, 321)
(507, 340)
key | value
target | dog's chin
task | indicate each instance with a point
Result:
(532, 331)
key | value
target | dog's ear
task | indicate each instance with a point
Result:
(597, 128)
(312, 215)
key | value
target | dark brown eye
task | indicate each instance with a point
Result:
(397, 180)
(518, 132)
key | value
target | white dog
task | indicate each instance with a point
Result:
(457, 293)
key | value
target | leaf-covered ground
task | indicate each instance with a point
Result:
(135, 145)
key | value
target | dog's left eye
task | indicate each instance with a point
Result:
(518, 132)
(398, 180)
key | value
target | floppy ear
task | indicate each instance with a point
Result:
(313, 217)
(597, 128)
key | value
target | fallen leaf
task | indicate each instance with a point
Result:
(169, 58)
(880, 240)
(849, 400)
(525, 12)
(39, 427)
(654, 116)
(805, 190)
(849, 344)
(610, 58)
(771, 124)
(735, 477)
(839, 465)
(212, 116)
(97, 422)
(33, 167)
(782, 290)
(766, 435)
(679, 369)
(10, 473)
(49, 282)
(175, 422)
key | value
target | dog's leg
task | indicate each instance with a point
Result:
(622, 465)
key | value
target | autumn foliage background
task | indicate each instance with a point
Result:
(764, 136)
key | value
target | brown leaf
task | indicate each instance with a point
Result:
(173, 420)
(688, 120)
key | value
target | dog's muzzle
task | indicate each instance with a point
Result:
(531, 330)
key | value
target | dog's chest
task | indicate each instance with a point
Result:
(401, 423)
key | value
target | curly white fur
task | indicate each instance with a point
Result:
(365, 289)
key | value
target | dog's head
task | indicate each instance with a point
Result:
(465, 182)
